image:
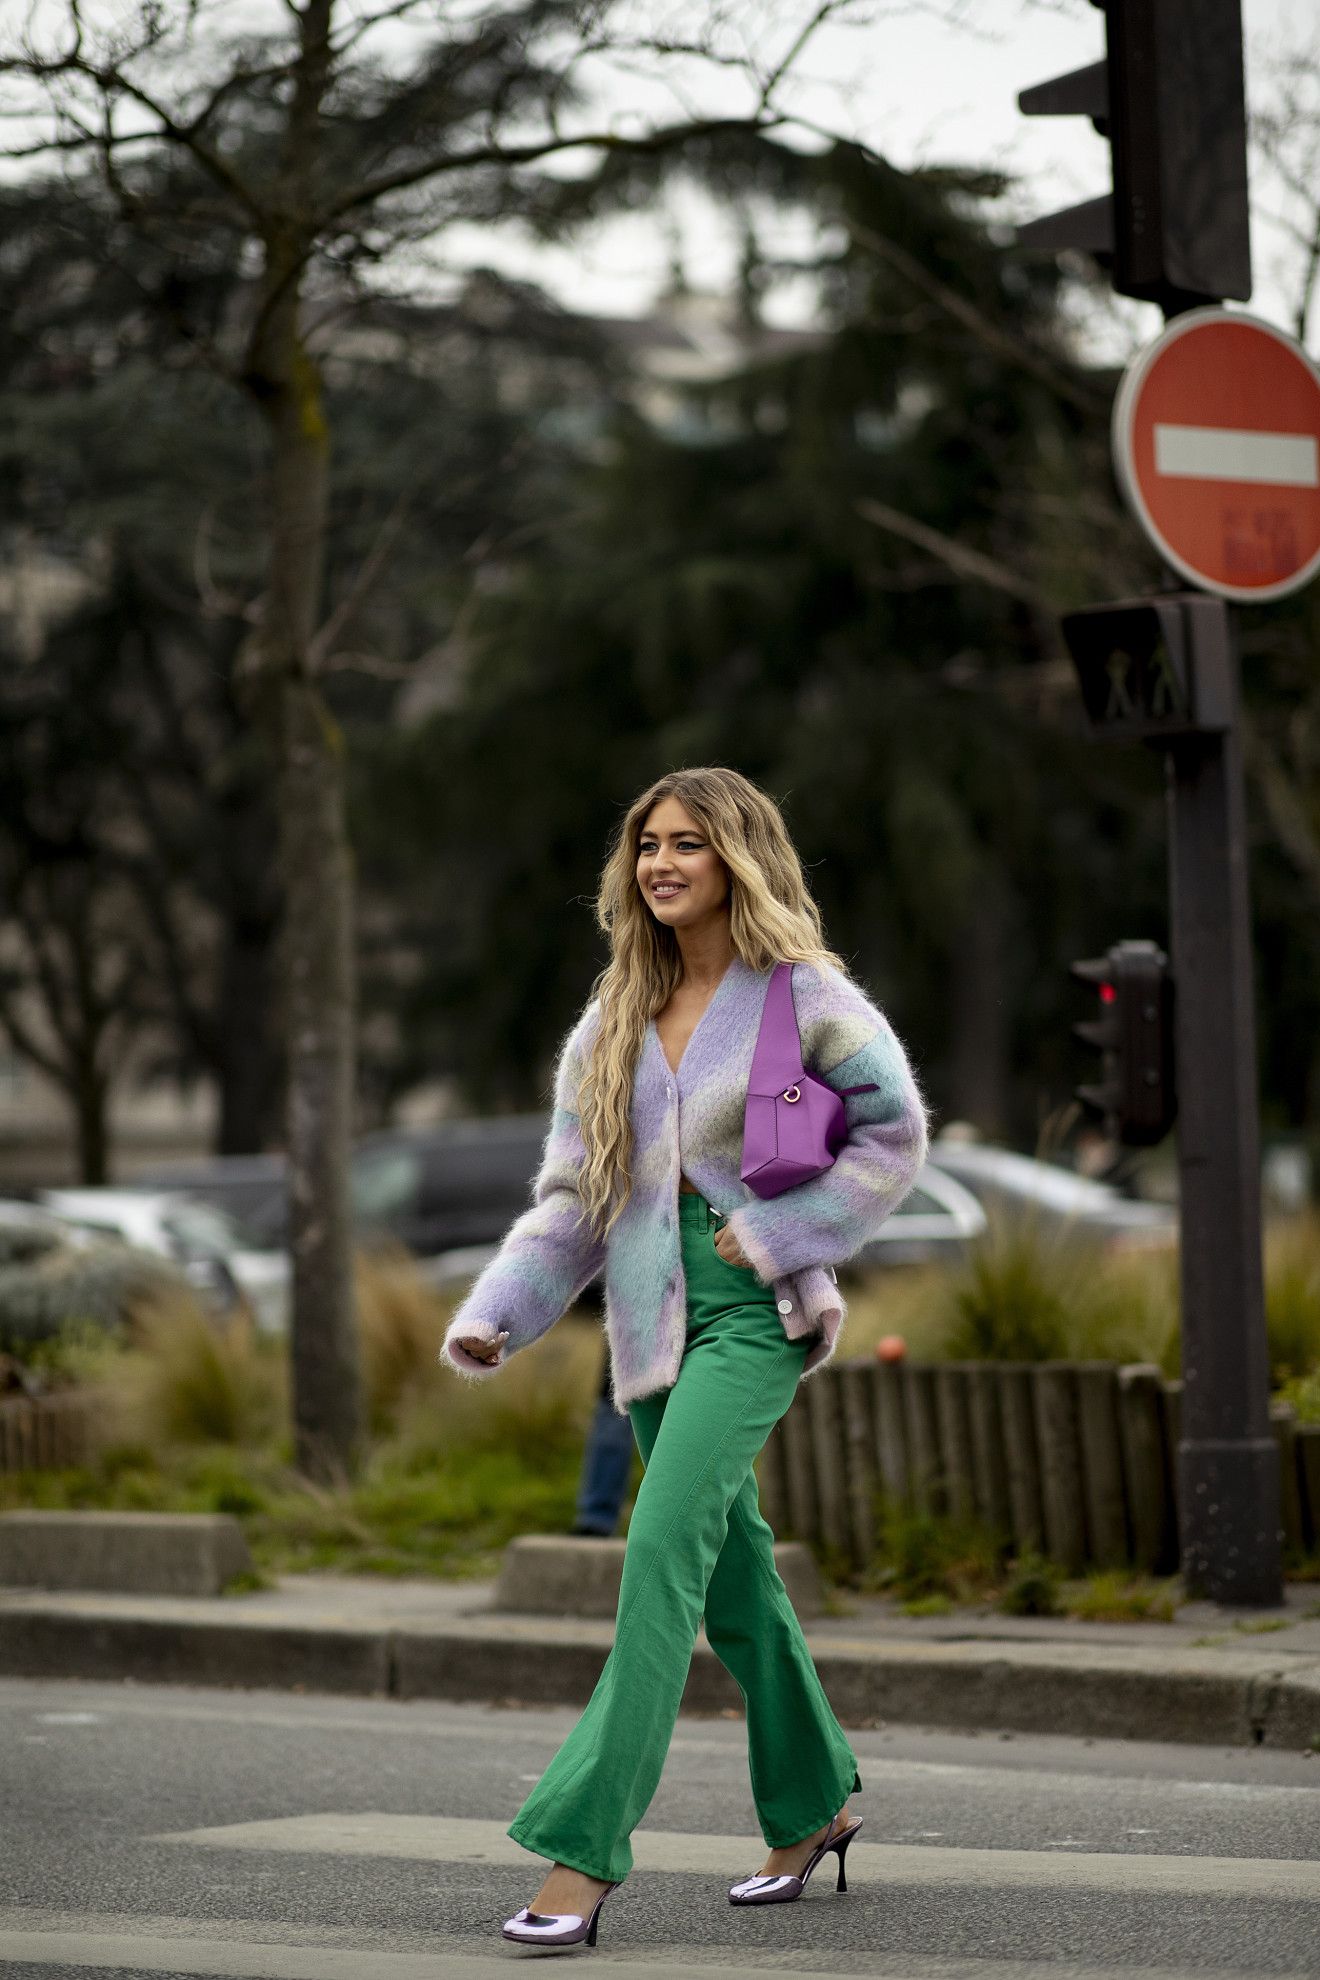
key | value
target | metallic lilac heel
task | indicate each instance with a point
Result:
(769, 1889)
(555, 1928)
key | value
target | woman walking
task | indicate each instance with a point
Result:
(719, 1299)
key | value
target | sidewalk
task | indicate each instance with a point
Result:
(969, 1669)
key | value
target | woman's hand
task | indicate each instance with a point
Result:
(480, 1348)
(729, 1248)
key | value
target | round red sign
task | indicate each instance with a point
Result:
(1216, 438)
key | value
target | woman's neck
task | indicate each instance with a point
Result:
(705, 954)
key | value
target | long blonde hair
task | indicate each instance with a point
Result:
(772, 918)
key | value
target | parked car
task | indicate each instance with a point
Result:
(935, 1222)
(251, 1189)
(202, 1239)
(55, 1269)
(453, 1186)
(1020, 1185)
(450, 1193)
(27, 1230)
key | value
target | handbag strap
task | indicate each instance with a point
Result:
(777, 1059)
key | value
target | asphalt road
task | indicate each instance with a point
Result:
(168, 1831)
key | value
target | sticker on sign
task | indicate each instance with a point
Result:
(1216, 437)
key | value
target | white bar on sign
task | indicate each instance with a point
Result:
(1226, 453)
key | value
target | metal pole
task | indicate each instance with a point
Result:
(1228, 1460)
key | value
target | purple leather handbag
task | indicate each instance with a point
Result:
(794, 1125)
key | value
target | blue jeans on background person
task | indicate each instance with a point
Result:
(606, 1465)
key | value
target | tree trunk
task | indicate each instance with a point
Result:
(89, 1104)
(316, 974)
(251, 1066)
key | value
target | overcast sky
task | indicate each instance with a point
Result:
(920, 82)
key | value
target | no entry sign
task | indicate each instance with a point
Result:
(1216, 439)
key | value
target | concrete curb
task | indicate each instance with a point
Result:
(1164, 1692)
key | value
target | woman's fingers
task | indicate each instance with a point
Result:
(482, 1349)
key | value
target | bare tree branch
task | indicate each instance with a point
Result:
(965, 562)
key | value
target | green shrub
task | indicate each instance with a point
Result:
(1292, 1299)
(401, 1322)
(43, 1295)
(920, 1554)
(192, 1381)
(1303, 1392)
(1119, 1595)
(1032, 1587)
(1010, 1301)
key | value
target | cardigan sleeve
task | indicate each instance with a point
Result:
(548, 1254)
(846, 1041)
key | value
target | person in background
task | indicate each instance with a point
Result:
(718, 1302)
(606, 1464)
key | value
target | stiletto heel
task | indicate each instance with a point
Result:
(767, 1888)
(841, 1845)
(555, 1928)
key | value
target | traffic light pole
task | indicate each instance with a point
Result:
(1227, 1459)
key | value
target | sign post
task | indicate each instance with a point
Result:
(1216, 438)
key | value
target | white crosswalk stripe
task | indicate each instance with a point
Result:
(447, 1839)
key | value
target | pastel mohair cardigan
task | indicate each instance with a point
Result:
(691, 1122)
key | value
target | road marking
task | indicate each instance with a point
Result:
(1226, 453)
(280, 1952)
(445, 1839)
(258, 1961)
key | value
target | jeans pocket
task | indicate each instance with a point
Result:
(716, 1227)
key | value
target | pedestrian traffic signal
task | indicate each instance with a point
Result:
(1169, 97)
(1133, 1031)
(1154, 668)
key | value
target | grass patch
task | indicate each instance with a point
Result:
(196, 1419)
(923, 1554)
(1025, 1291)
(1032, 1586)
(1116, 1595)
(934, 1604)
(1292, 1308)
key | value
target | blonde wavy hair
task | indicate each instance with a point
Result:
(772, 918)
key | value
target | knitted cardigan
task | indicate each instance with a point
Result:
(691, 1122)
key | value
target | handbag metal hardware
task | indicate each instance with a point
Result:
(793, 1094)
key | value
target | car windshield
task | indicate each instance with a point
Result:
(384, 1181)
(201, 1227)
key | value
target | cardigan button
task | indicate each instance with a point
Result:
(785, 1306)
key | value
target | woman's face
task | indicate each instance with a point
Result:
(678, 870)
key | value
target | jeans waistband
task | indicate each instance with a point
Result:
(695, 1210)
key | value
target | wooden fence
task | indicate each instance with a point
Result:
(1076, 1459)
(41, 1433)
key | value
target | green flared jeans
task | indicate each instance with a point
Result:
(698, 1547)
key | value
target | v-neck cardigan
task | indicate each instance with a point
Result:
(691, 1122)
